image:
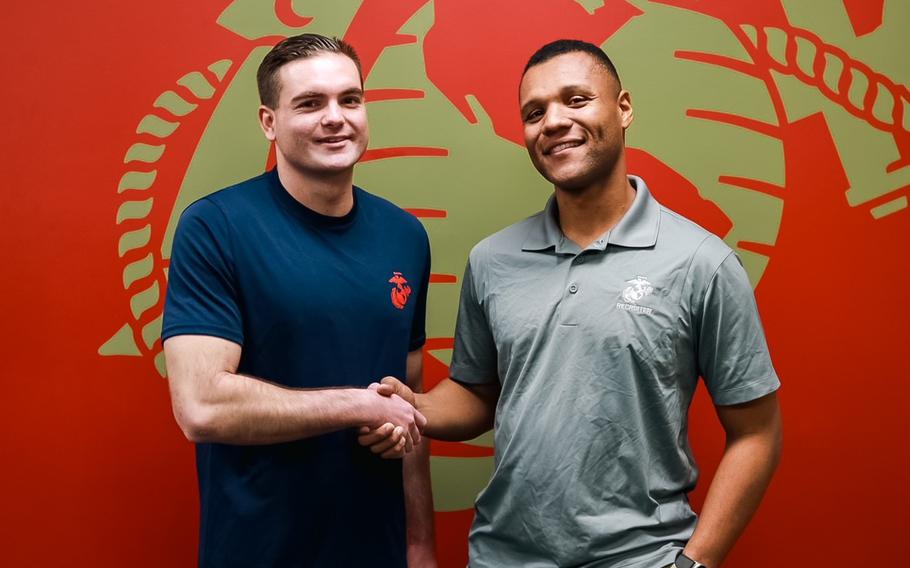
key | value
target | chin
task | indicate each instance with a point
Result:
(340, 163)
(568, 180)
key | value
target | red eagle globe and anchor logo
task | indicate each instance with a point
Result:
(401, 291)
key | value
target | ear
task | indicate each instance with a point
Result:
(267, 122)
(624, 101)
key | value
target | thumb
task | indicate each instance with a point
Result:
(390, 385)
(386, 390)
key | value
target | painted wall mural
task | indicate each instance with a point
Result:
(783, 126)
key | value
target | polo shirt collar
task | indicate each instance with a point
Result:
(545, 233)
(637, 228)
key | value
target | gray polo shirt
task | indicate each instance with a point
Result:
(598, 352)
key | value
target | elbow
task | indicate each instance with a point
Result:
(198, 411)
(774, 436)
(197, 422)
(770, 444)
(778, 443)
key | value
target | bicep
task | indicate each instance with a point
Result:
(486, 393)
(759, 417)
(472, 398)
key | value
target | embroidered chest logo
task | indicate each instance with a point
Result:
(638, 288)
(401, 291)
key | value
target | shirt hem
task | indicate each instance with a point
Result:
(209, 331)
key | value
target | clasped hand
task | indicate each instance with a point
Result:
(398, 435)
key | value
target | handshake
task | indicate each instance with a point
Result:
(397, 429)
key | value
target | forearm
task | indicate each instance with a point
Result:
(418, 495)
(738, 486)
(237, 409)
(419, 506)
(455, 412)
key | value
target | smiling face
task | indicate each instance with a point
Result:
(319, 124)
(574, 115)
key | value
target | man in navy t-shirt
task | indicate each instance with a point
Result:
(288, 295)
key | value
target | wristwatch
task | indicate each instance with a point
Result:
(683, 561)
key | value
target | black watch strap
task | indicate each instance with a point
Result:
(683, 561)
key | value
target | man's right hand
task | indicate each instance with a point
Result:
(389, 440)
(397, 425)
(391, 385)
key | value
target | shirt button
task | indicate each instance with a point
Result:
(573, 287)
(579, 260)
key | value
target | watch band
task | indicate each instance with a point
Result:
(683, 561)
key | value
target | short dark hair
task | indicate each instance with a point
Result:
(563, 46)
(291, 49)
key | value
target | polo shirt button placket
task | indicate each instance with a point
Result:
(573, 287)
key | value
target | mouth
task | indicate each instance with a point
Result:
(562, 146)
(333, 139)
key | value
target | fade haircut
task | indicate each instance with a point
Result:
(563, 46)
(291, 49)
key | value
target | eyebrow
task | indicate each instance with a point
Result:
(318, 94)
(353, 91)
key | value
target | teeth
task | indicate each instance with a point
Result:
(563, 146)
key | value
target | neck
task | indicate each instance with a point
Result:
(327, 194)
(587, 213)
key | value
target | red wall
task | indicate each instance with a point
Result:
(96, 473)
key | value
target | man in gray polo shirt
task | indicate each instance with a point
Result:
(581, 334)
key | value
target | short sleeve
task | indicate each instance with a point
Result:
(202, 296)
(474, 357)
(733, 354)
(418, 325)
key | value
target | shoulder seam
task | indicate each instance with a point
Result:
(704, 293)
(227, 225)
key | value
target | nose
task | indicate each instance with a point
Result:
(555, 120)
(333, 116)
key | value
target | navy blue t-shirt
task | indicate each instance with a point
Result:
(315, 302)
